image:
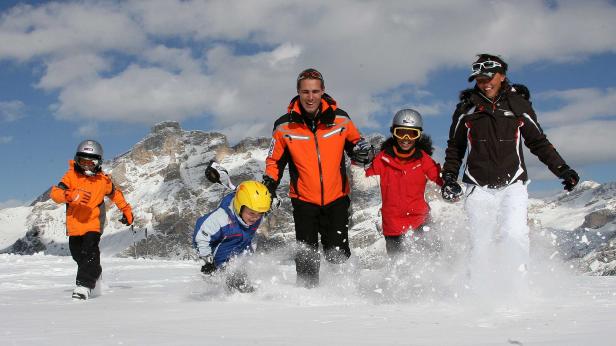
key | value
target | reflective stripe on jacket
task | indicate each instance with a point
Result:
(316, 158)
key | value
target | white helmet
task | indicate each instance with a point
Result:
(89, 157)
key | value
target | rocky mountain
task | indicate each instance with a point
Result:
(581, 225)
(162, 176)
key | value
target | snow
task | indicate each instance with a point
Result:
(155, 302)
(369, 300)
(12, 225)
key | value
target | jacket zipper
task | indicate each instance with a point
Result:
(316, 143)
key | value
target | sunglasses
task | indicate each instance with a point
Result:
(488, 64)
(406, 133)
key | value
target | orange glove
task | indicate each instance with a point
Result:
(73, 196)
(127, 217)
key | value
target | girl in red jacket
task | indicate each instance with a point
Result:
(404, 166)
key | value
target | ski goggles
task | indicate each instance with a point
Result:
(310, 74)
(87, 162)
(486, 65)
(407, 133)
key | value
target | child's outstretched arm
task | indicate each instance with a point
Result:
(432, 170)
(118, 198)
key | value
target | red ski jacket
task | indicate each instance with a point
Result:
(403, 184)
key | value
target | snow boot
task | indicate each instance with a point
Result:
(81, 293)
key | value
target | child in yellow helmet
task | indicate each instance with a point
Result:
(228, 230)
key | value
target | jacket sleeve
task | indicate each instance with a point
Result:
(376, 167)
(210, 232)
(432, 170)
(57, 192)
(538, 143)
(116, 195)
(352, 136)
(277, 157)
(457, 142)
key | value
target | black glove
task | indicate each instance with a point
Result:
(127, 217)
(569, 176)
(450, 190)
(212, 174)
(363, 152)
(209, 267)
(270, 183)
(271, 186)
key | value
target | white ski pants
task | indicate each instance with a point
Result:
(498, 234)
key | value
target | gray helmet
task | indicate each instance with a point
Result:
(407, 118)
(90, 150)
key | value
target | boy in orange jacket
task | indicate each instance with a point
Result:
(83, 188)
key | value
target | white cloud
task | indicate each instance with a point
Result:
(237, 61)
(89, 130)
(581, 105)
(579, 144)
(61, 29)
(585, 142)
(11, 110)
(66, 70)
(6, 139)
(137, 95)
(582, 129)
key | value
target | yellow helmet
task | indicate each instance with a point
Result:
(253, 195)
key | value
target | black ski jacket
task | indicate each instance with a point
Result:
(491, 131)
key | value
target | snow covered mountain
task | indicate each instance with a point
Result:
(581, 225)
(162, 176)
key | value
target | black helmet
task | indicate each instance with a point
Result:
(89, 157)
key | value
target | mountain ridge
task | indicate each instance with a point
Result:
(162, 176)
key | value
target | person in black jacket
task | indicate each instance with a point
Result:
(488, 127)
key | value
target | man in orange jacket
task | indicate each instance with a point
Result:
(83, 188)
(312, 138)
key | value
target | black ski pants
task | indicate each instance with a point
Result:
(332, 223)
(394, 244)
(85, 251)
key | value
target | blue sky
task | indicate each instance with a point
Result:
(110, 70)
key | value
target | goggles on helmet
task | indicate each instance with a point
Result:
(486, 65)
(408, 133)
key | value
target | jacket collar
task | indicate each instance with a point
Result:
(479, 96)
(326, 111)
(227, 205)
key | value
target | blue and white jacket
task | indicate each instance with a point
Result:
(222, 233)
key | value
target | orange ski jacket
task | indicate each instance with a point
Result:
(315, 157)
(89, 217)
